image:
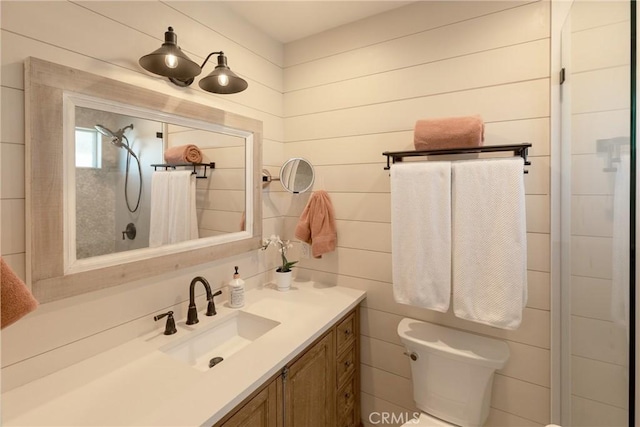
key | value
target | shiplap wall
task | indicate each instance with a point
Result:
(426, 59)
(356, 91)
(598, 71)
(107, 38)
(220, 199)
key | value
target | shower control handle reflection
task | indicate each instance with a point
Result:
(129, 232)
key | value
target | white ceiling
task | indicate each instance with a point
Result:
(287, 21)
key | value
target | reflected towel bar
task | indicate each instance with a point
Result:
(613, 148)
(166, 166)
(518, 150)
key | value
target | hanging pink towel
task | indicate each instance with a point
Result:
(317, 224)
(448, 132)
(16, 301)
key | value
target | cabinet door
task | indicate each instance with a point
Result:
(308, 388)
(261, 411)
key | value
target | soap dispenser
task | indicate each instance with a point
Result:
(236, 290)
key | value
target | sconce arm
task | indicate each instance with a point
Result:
(187, 82)
(209, 56)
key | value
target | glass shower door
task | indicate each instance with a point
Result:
(595, 205)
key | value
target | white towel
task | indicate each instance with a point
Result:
(421, 234)
(620, 249)
(173, 208)
(489, 241)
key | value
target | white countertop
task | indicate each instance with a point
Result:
(137, 384)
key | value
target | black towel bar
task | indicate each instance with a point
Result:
(518, 150)
(166, 166)
(613, 148)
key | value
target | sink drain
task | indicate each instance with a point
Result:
(213, 362)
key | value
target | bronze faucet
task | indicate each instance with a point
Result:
(192, 313)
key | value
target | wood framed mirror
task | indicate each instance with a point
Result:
(58, 100)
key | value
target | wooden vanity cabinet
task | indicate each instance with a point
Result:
(260, 411)
(347, 339)
(307, 387)
(318, 388)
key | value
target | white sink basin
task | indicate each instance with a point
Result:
(220, 340)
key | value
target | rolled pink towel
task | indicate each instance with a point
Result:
(449, 132)
(183, 154)
(16, 300)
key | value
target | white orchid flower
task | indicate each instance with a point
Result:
(283, 246)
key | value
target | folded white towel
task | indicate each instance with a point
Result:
(421, 234)
(489, 241)
(173, 208)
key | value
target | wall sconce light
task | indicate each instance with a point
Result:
(169, 61)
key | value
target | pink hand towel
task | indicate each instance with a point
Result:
(449, 132)
(183, 154)
(16, 300)
(317, 224)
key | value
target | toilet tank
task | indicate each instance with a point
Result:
(452, 371)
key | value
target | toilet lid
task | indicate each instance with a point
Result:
(427, 420)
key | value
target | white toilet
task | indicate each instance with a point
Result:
(452, 373)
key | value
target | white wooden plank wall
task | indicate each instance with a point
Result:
(600, 109)
(107, 38)
(356, 91)
(220, 198)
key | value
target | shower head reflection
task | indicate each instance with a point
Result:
(120, 140)
(117, 137)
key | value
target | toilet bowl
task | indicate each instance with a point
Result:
(452, 373)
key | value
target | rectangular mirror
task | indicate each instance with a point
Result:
(113, 154)
(93, 148)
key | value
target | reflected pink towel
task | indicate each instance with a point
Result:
(317, 224)
(16, 300)
(183, 154)
(448, 132)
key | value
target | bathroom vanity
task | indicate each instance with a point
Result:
(298, 360)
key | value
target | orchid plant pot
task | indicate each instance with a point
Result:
(283, 280)
(283, 273)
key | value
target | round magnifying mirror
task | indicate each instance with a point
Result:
(296, 175)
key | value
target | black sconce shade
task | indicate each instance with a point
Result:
(169, 61)
(222, 79)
